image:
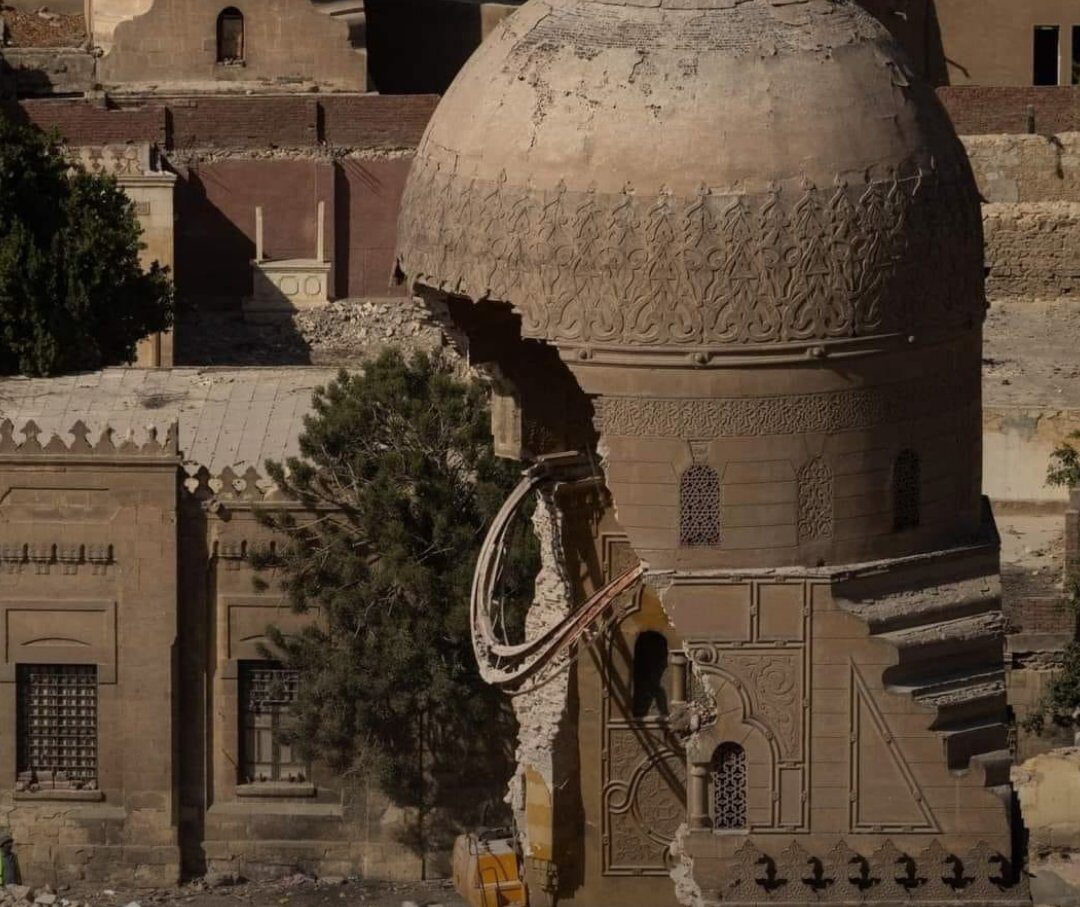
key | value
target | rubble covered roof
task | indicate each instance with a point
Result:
(235, 417)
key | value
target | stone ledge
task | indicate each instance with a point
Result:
(276, 789)
(95, 796)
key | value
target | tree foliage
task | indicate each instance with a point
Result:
(398, 482)
(73, 294)
(1064, 468)
(1061, 698)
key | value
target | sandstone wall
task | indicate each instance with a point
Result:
(1026, 168)
(284, 41)
(1032, 249)
(1031, 188)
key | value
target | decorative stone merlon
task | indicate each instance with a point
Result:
(106, 446)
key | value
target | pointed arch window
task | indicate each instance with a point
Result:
(727, 773)
(699, 507)
(649, 695)
(907, 490)
(230, 35)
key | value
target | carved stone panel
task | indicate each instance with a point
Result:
(644, 800)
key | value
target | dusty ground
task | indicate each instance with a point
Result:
(297, 891)
(42, 28)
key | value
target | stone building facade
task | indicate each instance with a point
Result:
(140, 703)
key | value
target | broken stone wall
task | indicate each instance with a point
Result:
(175, 41)
(1031, 188)
(1032, 249)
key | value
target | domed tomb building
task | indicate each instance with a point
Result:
(732, 250)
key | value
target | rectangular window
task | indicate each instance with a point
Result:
(1047, 54)
(56, 728)
(267, 690)
(1076, 55)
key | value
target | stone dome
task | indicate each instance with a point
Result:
(694, 179)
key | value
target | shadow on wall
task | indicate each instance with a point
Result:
(418, 46)
(914, 23)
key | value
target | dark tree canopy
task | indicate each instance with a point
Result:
(398, 468)
(73, 295)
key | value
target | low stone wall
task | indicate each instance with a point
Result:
(1026, 168)
(1032, 249)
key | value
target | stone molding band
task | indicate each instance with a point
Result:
(844, 410)
(796, 264)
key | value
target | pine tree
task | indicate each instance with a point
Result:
(399, 482)
(73, 295)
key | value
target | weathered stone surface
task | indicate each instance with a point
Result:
(1048, 787)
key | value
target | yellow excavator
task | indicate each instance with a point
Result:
(487, 869)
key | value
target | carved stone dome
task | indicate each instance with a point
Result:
(696, 179)
(753, 236)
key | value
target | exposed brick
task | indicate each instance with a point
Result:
(979, 109)
(376, 121)
(273, 122)
(80, 122)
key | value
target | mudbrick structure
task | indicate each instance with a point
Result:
(731, 254)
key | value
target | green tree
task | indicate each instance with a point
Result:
(1064, 468)
(398, 482)
(73, 295)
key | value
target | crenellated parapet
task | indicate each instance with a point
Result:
(106, 446)
(247, 487)
(884, 876)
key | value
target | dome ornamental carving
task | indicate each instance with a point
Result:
(688, 180)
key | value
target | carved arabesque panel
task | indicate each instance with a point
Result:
(815, 514)
(795, 263)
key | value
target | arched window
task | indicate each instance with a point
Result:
(699, 507)
(907, 489)
(650, 664)
(815, 501)
(728, 776)
(230, 35)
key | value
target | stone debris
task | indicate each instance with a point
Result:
(43, 28)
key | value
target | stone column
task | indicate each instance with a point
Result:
(697, 795)
(678, 677)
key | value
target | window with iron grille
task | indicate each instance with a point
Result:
(728, 776)
(699, 507)
(907, 490)
(56, 728)
(267, 690)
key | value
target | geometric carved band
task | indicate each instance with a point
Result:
(845, 410)
(887, 876)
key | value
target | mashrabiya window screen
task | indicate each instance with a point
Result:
(699, 507)
(57, 725)
(266, 692)
(728, 776)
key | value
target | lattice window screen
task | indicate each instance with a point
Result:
(266, 692)
(699, 507)
(57, 725)
(728, 777)
(907, 490)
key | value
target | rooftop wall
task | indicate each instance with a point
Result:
(348, 121)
